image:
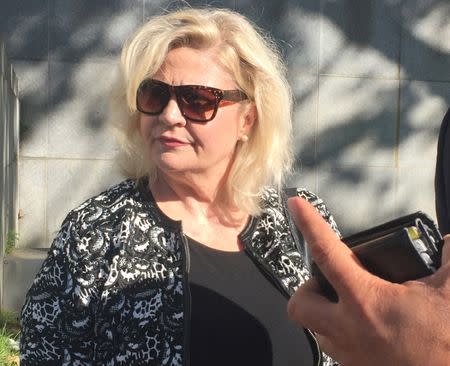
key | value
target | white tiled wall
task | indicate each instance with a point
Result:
(371, 81)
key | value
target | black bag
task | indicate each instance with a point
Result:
(407, 248)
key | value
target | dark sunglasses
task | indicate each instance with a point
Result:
(196, 102)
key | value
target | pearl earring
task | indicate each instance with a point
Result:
(244, 138)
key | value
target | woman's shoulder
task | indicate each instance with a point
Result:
(111, 196)
(317, 202)
(87, 219)
(95, 217)
(106, 221)
(274, 197)
(304, 193)
(107, 204)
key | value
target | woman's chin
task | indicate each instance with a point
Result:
(172, 164)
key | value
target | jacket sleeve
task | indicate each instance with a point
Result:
(56, 319)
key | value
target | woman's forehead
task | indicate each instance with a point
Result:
(194, 66)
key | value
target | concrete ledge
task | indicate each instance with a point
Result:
(19, 269)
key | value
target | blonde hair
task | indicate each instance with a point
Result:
(251, 58)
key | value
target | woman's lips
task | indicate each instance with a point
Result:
(171, 141)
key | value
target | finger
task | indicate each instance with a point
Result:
(336, 261)
(441, 278)
(327, 346)
(310, 309)
(446, 250)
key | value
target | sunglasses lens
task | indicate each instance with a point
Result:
(198, 104)
(152, 97)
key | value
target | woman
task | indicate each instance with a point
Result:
(192, 259)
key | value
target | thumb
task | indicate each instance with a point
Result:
(336, 261)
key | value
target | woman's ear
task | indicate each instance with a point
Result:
(249, 118)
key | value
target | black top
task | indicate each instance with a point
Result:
(238, 316)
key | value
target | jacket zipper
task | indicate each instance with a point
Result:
(187, 300)
(317, 352)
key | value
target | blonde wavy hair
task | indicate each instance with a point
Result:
(251, 57)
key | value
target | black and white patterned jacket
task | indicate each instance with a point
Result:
(113, 289)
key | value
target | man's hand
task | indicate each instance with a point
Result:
(375, 322)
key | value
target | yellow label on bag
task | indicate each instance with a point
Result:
(413, 233)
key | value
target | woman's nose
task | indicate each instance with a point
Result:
(171, 114)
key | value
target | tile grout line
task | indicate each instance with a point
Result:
(368, 77)
(48, 158)
(46, 239)
(316, 132)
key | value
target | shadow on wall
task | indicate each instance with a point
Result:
(367, 126)
(370, 80)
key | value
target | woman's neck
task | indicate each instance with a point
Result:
(196, 197)
(204, 219)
